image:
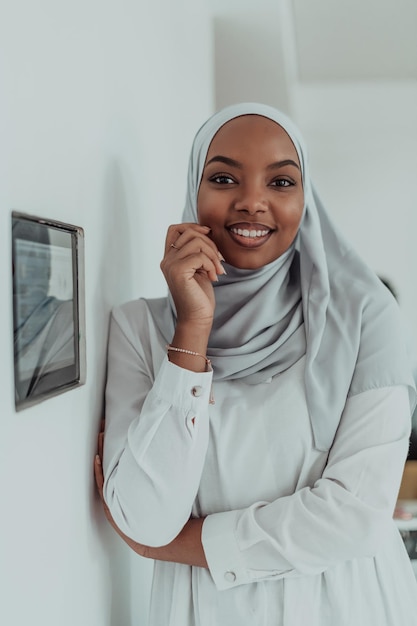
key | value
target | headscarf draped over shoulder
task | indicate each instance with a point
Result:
(319, 299)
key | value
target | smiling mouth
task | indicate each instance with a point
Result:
(250, 236)
(244, 232)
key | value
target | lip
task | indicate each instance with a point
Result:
(246, 240)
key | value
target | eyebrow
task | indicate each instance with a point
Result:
(224, 159)
(228, 161)
(283, 163)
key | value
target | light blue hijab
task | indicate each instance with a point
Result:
(319, 299)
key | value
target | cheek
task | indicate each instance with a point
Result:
(203, 214)
(291, 219)
(295, 214)
(209, 209)
(198, 208)
(203, 206)
(298, 218)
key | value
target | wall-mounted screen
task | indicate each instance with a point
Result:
(48, 308)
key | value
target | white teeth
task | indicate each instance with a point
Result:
(249, 233)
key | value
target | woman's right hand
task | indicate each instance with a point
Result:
(190, 265)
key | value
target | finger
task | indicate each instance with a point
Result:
(191, 243)
(176, 230)
(100, 445)
(181, 234)
(187, 267)
(202, 247)
(200, 263)
(98, 474)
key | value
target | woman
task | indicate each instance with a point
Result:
(257, 419)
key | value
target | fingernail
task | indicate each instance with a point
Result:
(221, 257)
(98, 460)
(207, 227)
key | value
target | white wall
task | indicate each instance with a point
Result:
(99, 102)
(254, 51)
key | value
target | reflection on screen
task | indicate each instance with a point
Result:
(44, 308)
(42, 293)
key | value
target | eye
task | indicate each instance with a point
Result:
(222, 179)
(282, 182)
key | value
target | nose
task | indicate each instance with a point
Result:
(251, 200)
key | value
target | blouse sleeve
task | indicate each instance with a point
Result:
(156, 439)
(345, 515)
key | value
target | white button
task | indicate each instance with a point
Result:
(197, 391)
(230, 577)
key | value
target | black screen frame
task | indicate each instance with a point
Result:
(63, 375)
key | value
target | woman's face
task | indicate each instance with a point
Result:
(251, 193)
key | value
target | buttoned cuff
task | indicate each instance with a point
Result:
(181, 387)
(229, 565)
(224, 559)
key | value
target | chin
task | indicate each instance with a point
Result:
(247, 264)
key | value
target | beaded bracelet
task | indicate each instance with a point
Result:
(191, 353)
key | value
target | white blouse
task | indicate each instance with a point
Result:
(292, 535)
